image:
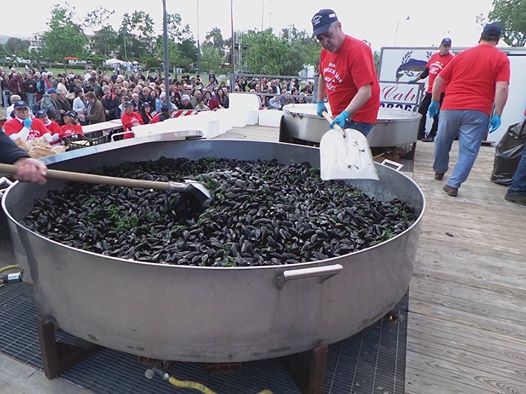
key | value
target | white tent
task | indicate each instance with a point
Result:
(113, 62)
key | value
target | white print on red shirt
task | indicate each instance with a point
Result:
(331, 77)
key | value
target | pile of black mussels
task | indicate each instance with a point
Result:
(262, 213)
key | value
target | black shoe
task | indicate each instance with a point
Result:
(450, 190)
(516, 198)
(428, 139)
(439, 176)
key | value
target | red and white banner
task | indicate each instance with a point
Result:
(183, 112)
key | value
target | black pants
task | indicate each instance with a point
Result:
(422, 109)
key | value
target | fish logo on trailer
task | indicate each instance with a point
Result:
(411, 67)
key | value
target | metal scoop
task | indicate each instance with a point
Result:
(197, 190)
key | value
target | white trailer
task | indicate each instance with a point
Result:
(398, 65)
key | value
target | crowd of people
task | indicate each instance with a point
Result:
(275, 93)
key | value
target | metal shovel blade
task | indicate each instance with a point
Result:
(345, 154)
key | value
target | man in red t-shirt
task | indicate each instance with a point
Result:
(21, 126)
(347, 75)
(130, 119)
(477, 81)
(436, 63)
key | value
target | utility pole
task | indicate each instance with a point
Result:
(233, 79)
(198, 44)
(165, 49)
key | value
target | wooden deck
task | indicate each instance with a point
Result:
(467, 308)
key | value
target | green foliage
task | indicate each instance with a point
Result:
(212, 58)
(266, 53)
(103, 40)
(16, 45)
(512, 15)
(65, 37)
(136, 37)
(215, 39)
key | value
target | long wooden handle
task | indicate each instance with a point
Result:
(329, 119)
(102, 179)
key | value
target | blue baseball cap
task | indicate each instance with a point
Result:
(322, 20)
(446, 41)
(492, 30)
(51, 91)
(20, 104)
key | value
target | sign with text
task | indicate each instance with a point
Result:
(400, 95)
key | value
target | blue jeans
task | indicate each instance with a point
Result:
(364, 128)
(518, 184)
(471, 127)
(31, 100)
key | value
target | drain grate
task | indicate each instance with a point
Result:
(372, 361)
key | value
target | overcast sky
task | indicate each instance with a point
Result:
(382, 22)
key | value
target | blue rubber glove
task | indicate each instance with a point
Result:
(341, 119)
(433, 109)
(27, 123)
(494, 123)
(320, 108)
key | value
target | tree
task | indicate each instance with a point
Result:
(211, 58)
(265, 53)
(136, 37)
(215, 38)
(512, 15)
(16, 45)
(65, 36)
(103, 41)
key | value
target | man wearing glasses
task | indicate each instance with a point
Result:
(347, 75)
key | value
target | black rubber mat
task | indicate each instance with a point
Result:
(372, 361)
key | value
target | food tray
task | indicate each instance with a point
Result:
(78, 141)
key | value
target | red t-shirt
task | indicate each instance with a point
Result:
(13, 126)
(68, 130)
(53, 127)
(436, 63)
(155, 119)
(344, 72)
(129, 121)
(472, 76)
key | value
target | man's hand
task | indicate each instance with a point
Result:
(321, 108)
(31, 170)
(433, 109)
(341, 119)
(494, 123)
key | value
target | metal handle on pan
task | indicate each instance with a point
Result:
(392, 164)
(2, 188)
(324, 272)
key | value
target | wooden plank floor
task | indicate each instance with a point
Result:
(467, 320)
(467, 305)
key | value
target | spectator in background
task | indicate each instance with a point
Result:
(222, 98)
(63, 103)
(185, 102)
(16, 85)
(276, 102)
(95, 87)
(52, 126)
(22, 126)
(111, 103)
(9, 111)
(71, 125)
(146, 112)
(30, 87)
(80, 105)
(50, 102)
(211, 101)
(136, 101)
(95, 111)
(130, 119)
(164, 114)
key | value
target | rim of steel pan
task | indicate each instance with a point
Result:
(174, 266)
